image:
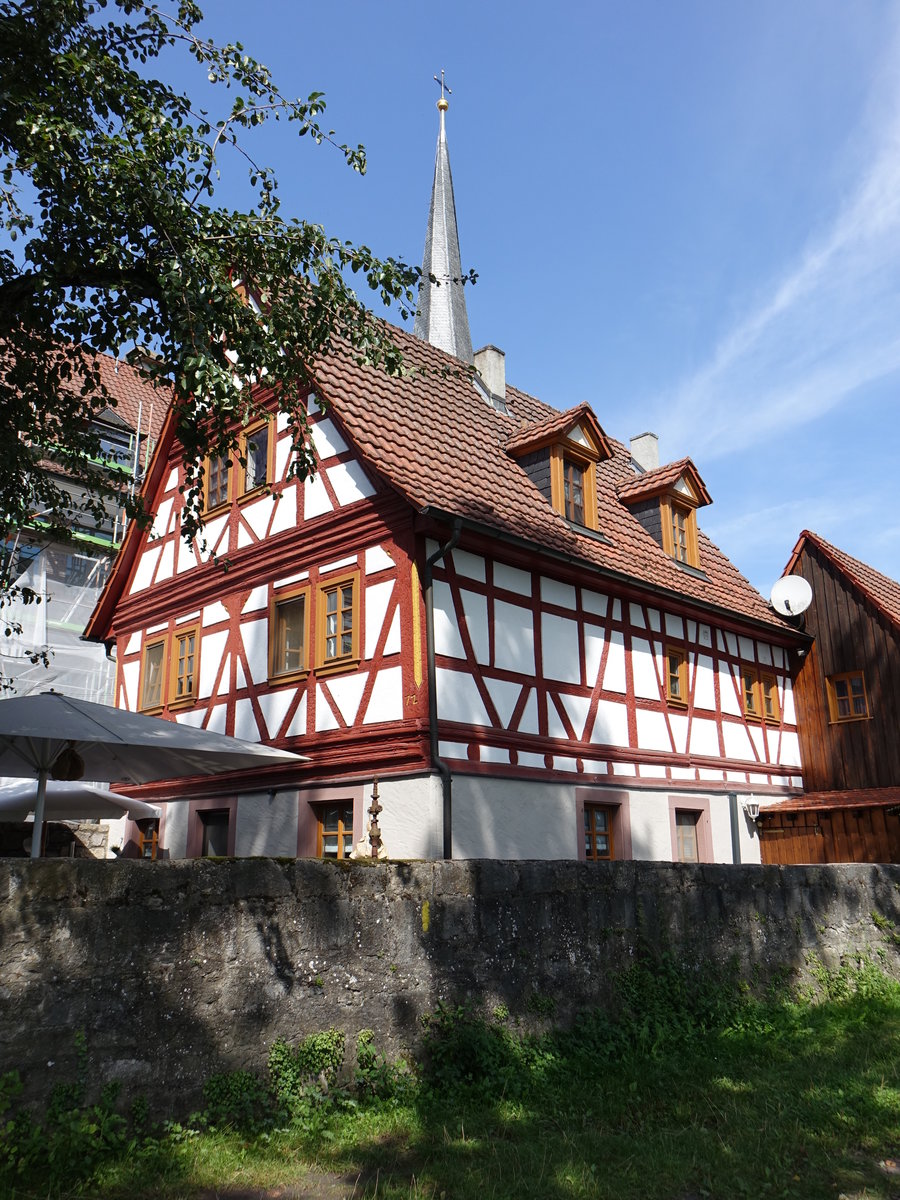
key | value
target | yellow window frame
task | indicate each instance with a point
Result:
(341, 659)
(282, 600)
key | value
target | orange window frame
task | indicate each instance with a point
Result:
(599, 822)
(847, 678)
(564, 458)
(343, 830)
(676, 657)
(759, 696)
(215, 468)
(248, 488)
(150, 647)
(768, 697)
(280, 601)
(337, 586)
(684, 549)
(184, 667)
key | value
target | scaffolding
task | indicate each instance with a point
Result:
(66, 580)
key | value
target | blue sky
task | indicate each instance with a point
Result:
(687, 214)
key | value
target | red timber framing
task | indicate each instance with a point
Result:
(553, 725)
(334, 712)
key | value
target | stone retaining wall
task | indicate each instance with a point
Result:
(175, 970)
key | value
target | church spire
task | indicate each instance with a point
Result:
(441, 316)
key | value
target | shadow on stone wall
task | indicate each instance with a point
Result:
(177, 970)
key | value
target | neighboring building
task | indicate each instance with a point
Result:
(509, 618)
(847, 693)
(69, 576)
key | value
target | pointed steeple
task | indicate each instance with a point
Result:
(441, 316)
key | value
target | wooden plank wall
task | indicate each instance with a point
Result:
(842, 835)
(850, 635)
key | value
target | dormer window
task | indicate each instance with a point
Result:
(665, 501)
(680, 524)
(573, 490)
(560, 456)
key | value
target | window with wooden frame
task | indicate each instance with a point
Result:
(759, 695)
(183, 685)
(768, 694)
(334, 829)
(599, 839)
(169, 670)
(676, 675)
(687, 842)
(679, 530)
(255, 445)
(337, 623)
(148, 840)
(573, 483)
(288, 634)
(153, 669)
(216, 482)
(847, 698)
(750, 693)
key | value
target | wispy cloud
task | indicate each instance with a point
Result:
(829, 325)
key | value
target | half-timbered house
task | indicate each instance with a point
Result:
(511, 619)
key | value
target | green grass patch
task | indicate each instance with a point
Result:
(691, 1090)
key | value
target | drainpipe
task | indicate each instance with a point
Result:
(735, 827)
(437, 761)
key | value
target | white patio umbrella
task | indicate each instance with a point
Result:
(70, 802)
(51, 735)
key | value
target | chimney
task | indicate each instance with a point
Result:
(490, 363)
(645, 451)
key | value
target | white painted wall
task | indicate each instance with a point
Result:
(266, 825)
(515, 819)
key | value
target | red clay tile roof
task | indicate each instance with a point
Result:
(659, 478)
(437, 442)
(135, 396)
(858, 798)
(882, 591)
(552, 426)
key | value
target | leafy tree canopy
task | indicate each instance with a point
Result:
(112, 239)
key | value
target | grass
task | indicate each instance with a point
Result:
(682, 1097)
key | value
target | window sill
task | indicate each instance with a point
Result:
(675, 703)
(182, 703)
(288, 677)
(336, 668)
(217, 510)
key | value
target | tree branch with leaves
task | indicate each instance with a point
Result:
(111, 240)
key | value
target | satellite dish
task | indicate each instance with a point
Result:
(791, 595)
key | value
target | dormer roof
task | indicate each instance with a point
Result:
(576, 424)
(680, 477)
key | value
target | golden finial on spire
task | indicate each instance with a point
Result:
(443, 104)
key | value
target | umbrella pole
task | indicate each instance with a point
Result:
(37, 832)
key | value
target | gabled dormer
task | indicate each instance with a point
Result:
(560, 457)
(665, 501)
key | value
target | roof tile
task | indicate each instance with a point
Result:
(431, 436)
